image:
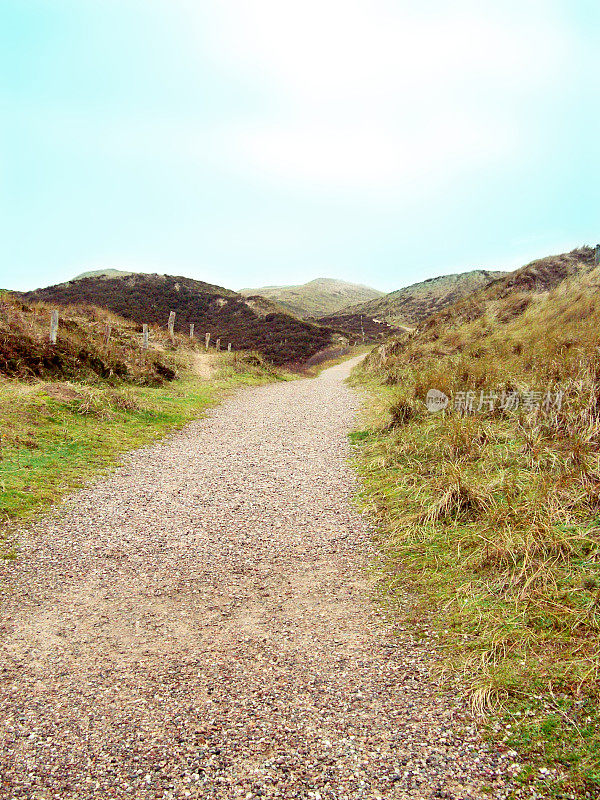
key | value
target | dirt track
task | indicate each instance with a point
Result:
(199, 625)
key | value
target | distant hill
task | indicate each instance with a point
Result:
(318, 298)
(411, 305)
(103, 273)
(249, 323)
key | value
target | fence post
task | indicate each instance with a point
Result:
(53, 327)
(218, 344)
(229, 347)
(597, 254)
(206, 339)
(191, 330)
(171, 325)
(107, 332)
(144, 336)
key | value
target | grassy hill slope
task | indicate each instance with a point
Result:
(411, 305)
(248, 323)
(490, 509)
(317, 298)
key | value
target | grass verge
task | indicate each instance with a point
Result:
(55, 436)
(493, 521)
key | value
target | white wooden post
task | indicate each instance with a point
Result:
(206, 339)
(107, 332)
(218, 344)
(229, 347)
(171, 324)
(144, 336)
(53, 327)
(191, 330)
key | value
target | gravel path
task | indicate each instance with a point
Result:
(199, 625)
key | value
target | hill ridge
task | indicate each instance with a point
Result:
(317, 297)
(412, 304)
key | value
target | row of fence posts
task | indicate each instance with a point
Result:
(145, 332)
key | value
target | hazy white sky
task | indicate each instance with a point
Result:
(247, 142)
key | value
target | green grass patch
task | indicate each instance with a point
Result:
(358, 436)
(562, 734)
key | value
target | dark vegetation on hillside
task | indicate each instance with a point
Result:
(357, 324)
(248, 323)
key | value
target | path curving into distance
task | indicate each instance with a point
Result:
(199, 625)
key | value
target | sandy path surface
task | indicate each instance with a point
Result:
(199, 625)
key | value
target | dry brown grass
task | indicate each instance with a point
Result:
(494, 516)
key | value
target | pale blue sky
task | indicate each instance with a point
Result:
(251, 142)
